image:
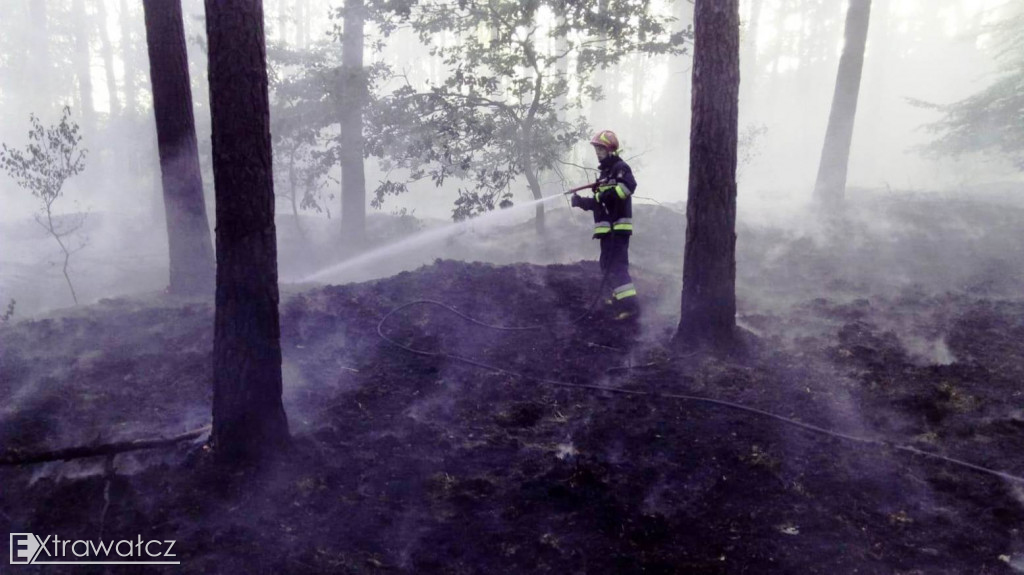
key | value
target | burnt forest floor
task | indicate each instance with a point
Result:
(411, 464)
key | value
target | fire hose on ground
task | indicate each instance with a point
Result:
(877, 442)
(112, 449)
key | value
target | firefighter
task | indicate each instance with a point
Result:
(613, 222)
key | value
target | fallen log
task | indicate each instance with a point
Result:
(104, 449)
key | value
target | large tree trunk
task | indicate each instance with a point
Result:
(709, 267)
(835, 155)
(249, 422)
(83, 69)
(188, 231)
(353, 179)
(108, 58)
(128, 57)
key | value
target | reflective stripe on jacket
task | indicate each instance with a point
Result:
(612, 203)
(616, 185)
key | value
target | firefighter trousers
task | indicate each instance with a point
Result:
(615, 266)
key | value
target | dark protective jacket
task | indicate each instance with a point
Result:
(612, 203)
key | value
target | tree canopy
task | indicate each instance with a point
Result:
(504, 110)
(990, 121)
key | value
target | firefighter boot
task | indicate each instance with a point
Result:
(626, 309)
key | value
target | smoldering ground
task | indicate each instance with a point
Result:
(900, 319)
(423, 463)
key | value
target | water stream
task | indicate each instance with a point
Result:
(418, 240)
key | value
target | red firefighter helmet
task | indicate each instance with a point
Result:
(607, 140)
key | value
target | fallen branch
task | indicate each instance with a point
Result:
(108, 449)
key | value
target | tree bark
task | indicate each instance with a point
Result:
(249, 421)
(108, 58)
(708, 312)
(835, 154)
(353, 178)
(188, 230)
(83, 68)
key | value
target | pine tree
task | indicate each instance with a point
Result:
(188, 231)
(835, 154)
(708, 312)
(249, 421)
(989, 121)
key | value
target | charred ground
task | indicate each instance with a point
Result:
(405, 463)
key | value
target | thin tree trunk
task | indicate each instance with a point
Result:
(188, 231)
(67, 277)
(534, 181)
(128, 58)
(249, 421)
(708, 312)
(835, 154)
(63, 248)
(108, 59)
(528, 128)
(83, 68)
(353, 178)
